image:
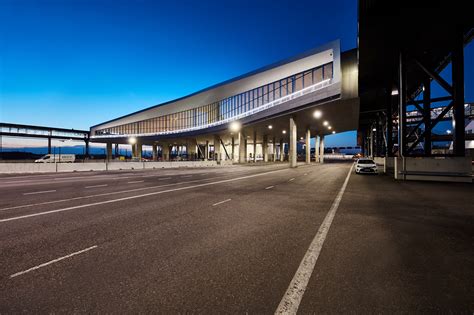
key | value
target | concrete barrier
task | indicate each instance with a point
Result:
(446, 169)
(11, 168)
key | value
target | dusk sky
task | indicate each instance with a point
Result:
(76, 63)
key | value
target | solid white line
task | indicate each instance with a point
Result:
(135, 181)
(39, 192)
(94, 186)
(165, 178)
(52, 262)
(137, 196)
(291, 179)
(186, 176)
(269, 187)
(293, 295)
(220, 202)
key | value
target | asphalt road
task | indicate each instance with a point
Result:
(230, 240)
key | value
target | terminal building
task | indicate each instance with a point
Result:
(260, 115)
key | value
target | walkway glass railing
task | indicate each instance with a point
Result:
(229, 109)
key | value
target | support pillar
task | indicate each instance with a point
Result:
(316, 149)
(293, 149)
(242, 148)
(265, 148)
(232, 154)
(308, 146)
(191, 149)
(155, 152)
(254, 146)
(274, 149)
(206, 151)
(49, 145)
(459, 144)
(139, 150)
(109, 151)
(282, 150)
(217, 148)
(165, 152)
(321, 150)
(87, 149)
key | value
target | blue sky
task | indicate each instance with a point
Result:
(75, 63)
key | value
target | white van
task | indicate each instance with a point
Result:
(56, 158)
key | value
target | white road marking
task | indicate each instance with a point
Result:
(187, 176)
(135, 182)
(106, 194)
(52, 262)
(221, 202)
(94, 186)
(39, 192)
(138, 196)
(291, 179)
(305, 174)
(150, 175)
(269, 187)
(293, 295)
(164, 178)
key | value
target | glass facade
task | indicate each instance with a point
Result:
(226, 108)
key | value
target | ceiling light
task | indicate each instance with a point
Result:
(284, 132)
(333, 132)
(329, 127)
(235, 126)
(132, 140)
(325, 123)
(270, 126)
(317, 114)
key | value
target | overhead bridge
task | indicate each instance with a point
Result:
(31, 131)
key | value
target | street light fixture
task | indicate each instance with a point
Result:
(325, 123)
(317, 114)
(132, 140)
(270, 127)
(283, 132)
(329, 127)
(235, 126)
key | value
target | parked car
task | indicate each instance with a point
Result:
(367, 166)
(56, 158)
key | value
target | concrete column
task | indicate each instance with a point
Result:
(293, 148)
(321, 150)
(274, 150)
(87, 149)
(308, 146)
(109, 151)
(242, 148)
(49, 145)
(139, 150)
(116, 150)
(316, 149)
(155, 152)
(265, 148)
(165, 152)
(217, 148)
(232, 154)
(134, 150)
(282, 150)
(191, 149)
(254, 146)
(206, 151)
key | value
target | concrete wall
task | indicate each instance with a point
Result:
(12, 168)
(449, 169)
